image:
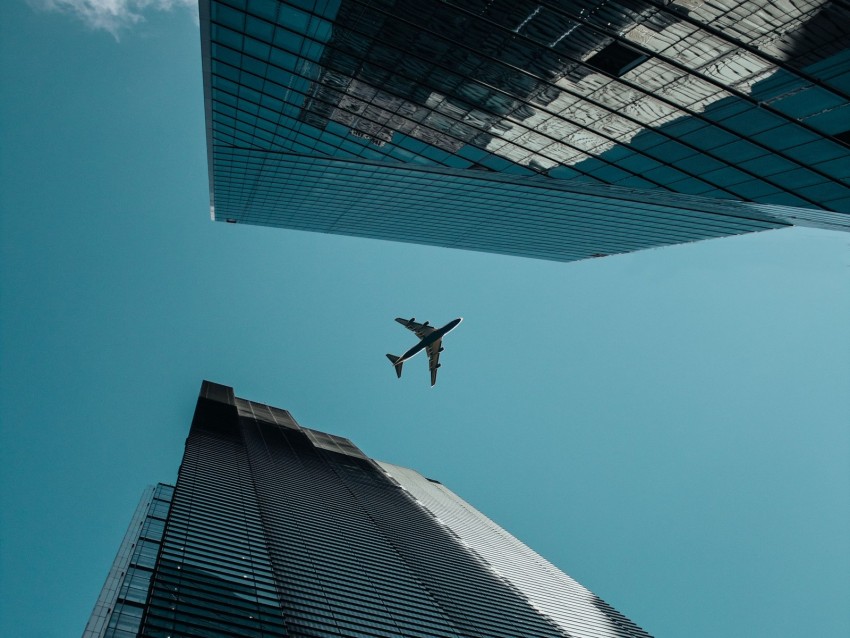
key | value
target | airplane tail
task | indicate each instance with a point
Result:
(396, 363)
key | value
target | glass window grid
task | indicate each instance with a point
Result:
(197, 555)
(681, 29)
(135, 585)
(131, 589)
(540, 196)
(557, 245)
(557, 249)
(551, 188)
(359, 149)
(417, 234)
(538, 151)
(692, 72)
(519, 124)
(124, 620)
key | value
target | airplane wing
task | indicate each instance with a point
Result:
(434, 351)
(422, 330)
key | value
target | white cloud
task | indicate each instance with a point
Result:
(114, 16)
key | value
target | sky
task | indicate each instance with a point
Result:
(670, 427)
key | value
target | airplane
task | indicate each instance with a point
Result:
(431, 340)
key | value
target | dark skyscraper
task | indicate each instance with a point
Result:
(277, 530)
(559, 130)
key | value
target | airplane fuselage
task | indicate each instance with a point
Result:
(438, 334)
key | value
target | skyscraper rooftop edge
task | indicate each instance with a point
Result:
(314, 108)
(273, 529)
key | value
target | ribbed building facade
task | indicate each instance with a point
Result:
(276, 530)
(560, 130)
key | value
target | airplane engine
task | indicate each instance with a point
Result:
(424, 324)
(441, 349)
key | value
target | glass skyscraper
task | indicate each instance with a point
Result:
(277, 530)
(562, 129)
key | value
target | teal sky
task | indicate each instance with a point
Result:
(670, 427)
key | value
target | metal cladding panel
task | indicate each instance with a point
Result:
(337, 573)
(575, 609)
(213, 576)
(353, 554)
(397, 120)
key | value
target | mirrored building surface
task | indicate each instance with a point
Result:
(277, 530)
(559, 130)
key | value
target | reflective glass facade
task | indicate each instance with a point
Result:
(559, 130)
(277, 530)
(121, 604)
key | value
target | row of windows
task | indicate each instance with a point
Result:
(232, 541)
(153, 528)
(556, 250)
(233, 161)
(495, 199)
(145, 553)
(247, 547)
(541, 206)
(204, 521)
(187, 600)
(208, 623)
(292, 180)
(159, 508)
(125, 621)
(223, 562)
(426, 617)
(208, 554)
(224, 500)
(163, 492)
(173, 582)
(396, 210)
(448, 231)
(240, 160)
(171, 573)
(134, 587)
